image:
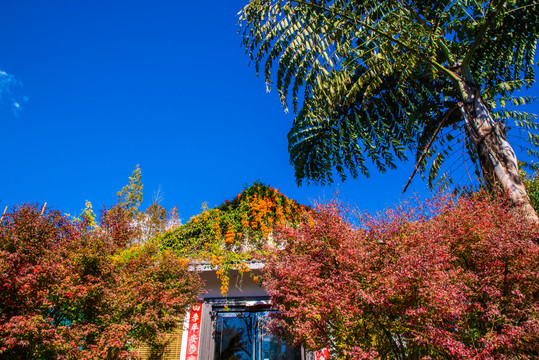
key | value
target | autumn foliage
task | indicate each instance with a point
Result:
(239, 225)
(236, 231)
(449, 279)
(69, 290)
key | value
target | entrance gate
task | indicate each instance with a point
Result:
(235, 329)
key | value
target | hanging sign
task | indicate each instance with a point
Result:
(322, 354)
(193, 334)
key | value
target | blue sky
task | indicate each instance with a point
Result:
(106, 85)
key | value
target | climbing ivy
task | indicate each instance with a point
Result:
(236, 231)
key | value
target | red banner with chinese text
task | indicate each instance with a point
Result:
(322, 354)
(193, 334)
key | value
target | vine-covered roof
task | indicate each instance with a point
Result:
(236, 231)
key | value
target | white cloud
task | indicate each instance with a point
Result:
(9, 87)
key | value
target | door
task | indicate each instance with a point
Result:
(242, 334)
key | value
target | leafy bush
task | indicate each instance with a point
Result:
(449, 279)
(70, 290)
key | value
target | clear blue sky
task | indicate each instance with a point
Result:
(106, 85)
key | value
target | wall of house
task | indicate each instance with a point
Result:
(172, 350)
(241, 286)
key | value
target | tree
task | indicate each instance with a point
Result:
(449, 279)
(69, 290)
(532, 183)
(151, 222)
(381, 78)
(130, 197)
(88, 214)
(148, 223)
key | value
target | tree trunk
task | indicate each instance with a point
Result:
(496, 156)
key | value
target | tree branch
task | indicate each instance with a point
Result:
(354, 19)
(422, 157)
(480, 36)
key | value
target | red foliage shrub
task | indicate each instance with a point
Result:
(65, 292)
(450, 279)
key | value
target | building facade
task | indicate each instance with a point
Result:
(234, 327)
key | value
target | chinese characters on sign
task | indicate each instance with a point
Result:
(193, 336)
(322, 354)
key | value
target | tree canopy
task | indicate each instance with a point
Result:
(72, 290)
(379, 79)
(444, 279)
(130, 197)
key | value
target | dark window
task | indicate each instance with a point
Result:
(240, 332)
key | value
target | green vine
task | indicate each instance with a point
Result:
(236, 231)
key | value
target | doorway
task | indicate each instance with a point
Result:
(240, 331)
